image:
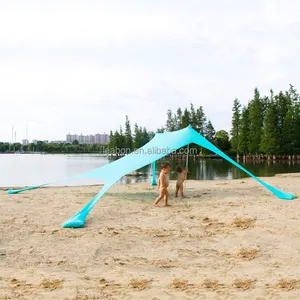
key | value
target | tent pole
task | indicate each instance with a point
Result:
(187, 156)
(153, 165)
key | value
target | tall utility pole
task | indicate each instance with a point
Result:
(12, 135)
(27, 131)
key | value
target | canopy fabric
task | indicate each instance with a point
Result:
(161, 145)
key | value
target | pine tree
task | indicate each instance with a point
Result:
(269, 141)
(244, 136)
(178, 118)
(138, 136)
(185, 118)
(235, 124)
(128, 135)
(289, 132)
(145, 135)
(121, 139)
(170, 124)
(112, 143)
(256, 122)
(209, 132)
(193, 116)
(160, 130)
(201, 120)
(283, 104)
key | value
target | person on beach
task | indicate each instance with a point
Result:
(163, 184)
(181, 178)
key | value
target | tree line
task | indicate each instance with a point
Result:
(128, 139)
(268, 124)
(40, 146)
(181, 118)
(198, 120)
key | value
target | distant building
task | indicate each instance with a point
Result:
(34, 142)
(25, 142)
(46, 141)
(69, 138)
(88, 139)
(97, 138)
(81, 139)
(91, 139)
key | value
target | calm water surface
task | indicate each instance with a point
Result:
(31, 169)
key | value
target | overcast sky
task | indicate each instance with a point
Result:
(81, 66)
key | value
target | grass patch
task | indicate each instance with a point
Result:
(211, 284)
(247, 254)
(179, 284)
(51, 285)
(243, 223)
(165, 264)
(243, 285)
(288, 284)
(139, 284)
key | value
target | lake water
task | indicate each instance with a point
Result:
(18, 170)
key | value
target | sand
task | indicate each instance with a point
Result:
(227, 240)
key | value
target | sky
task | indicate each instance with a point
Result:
(81, 66)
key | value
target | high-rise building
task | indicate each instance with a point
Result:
(69, 138)
(97, 138)
(88, 139)
(81, 139)
(92, 139)
(25, 142)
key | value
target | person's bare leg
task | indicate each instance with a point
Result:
(181, 190)
(167, 198)
(177, 189)
(161, 195)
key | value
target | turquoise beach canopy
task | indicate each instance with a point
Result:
(161, 145)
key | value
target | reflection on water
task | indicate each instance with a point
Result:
(27, 170)
(219, 169)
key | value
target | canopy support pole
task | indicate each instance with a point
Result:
(153, 166)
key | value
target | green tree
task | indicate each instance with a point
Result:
(291, 131)
(210, 132)
(201, 120)
(178, 118)
(283, 104)
(269, 141)
(171, 121)
(138, 136)
(160, 130)
(256, 122)
(193, 116)
(40, 146)
(121, 140)
(244, 136)
(235, 124)
(75, 142)
(128, 135)
(221, 140)
(185, 121)
(146, 138)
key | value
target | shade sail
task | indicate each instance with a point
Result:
(161, 145)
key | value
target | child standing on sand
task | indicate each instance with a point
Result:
(181, 177)
(163, 184)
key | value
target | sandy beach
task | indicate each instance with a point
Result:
(227, 240)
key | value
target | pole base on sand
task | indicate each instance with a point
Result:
(76, 221)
